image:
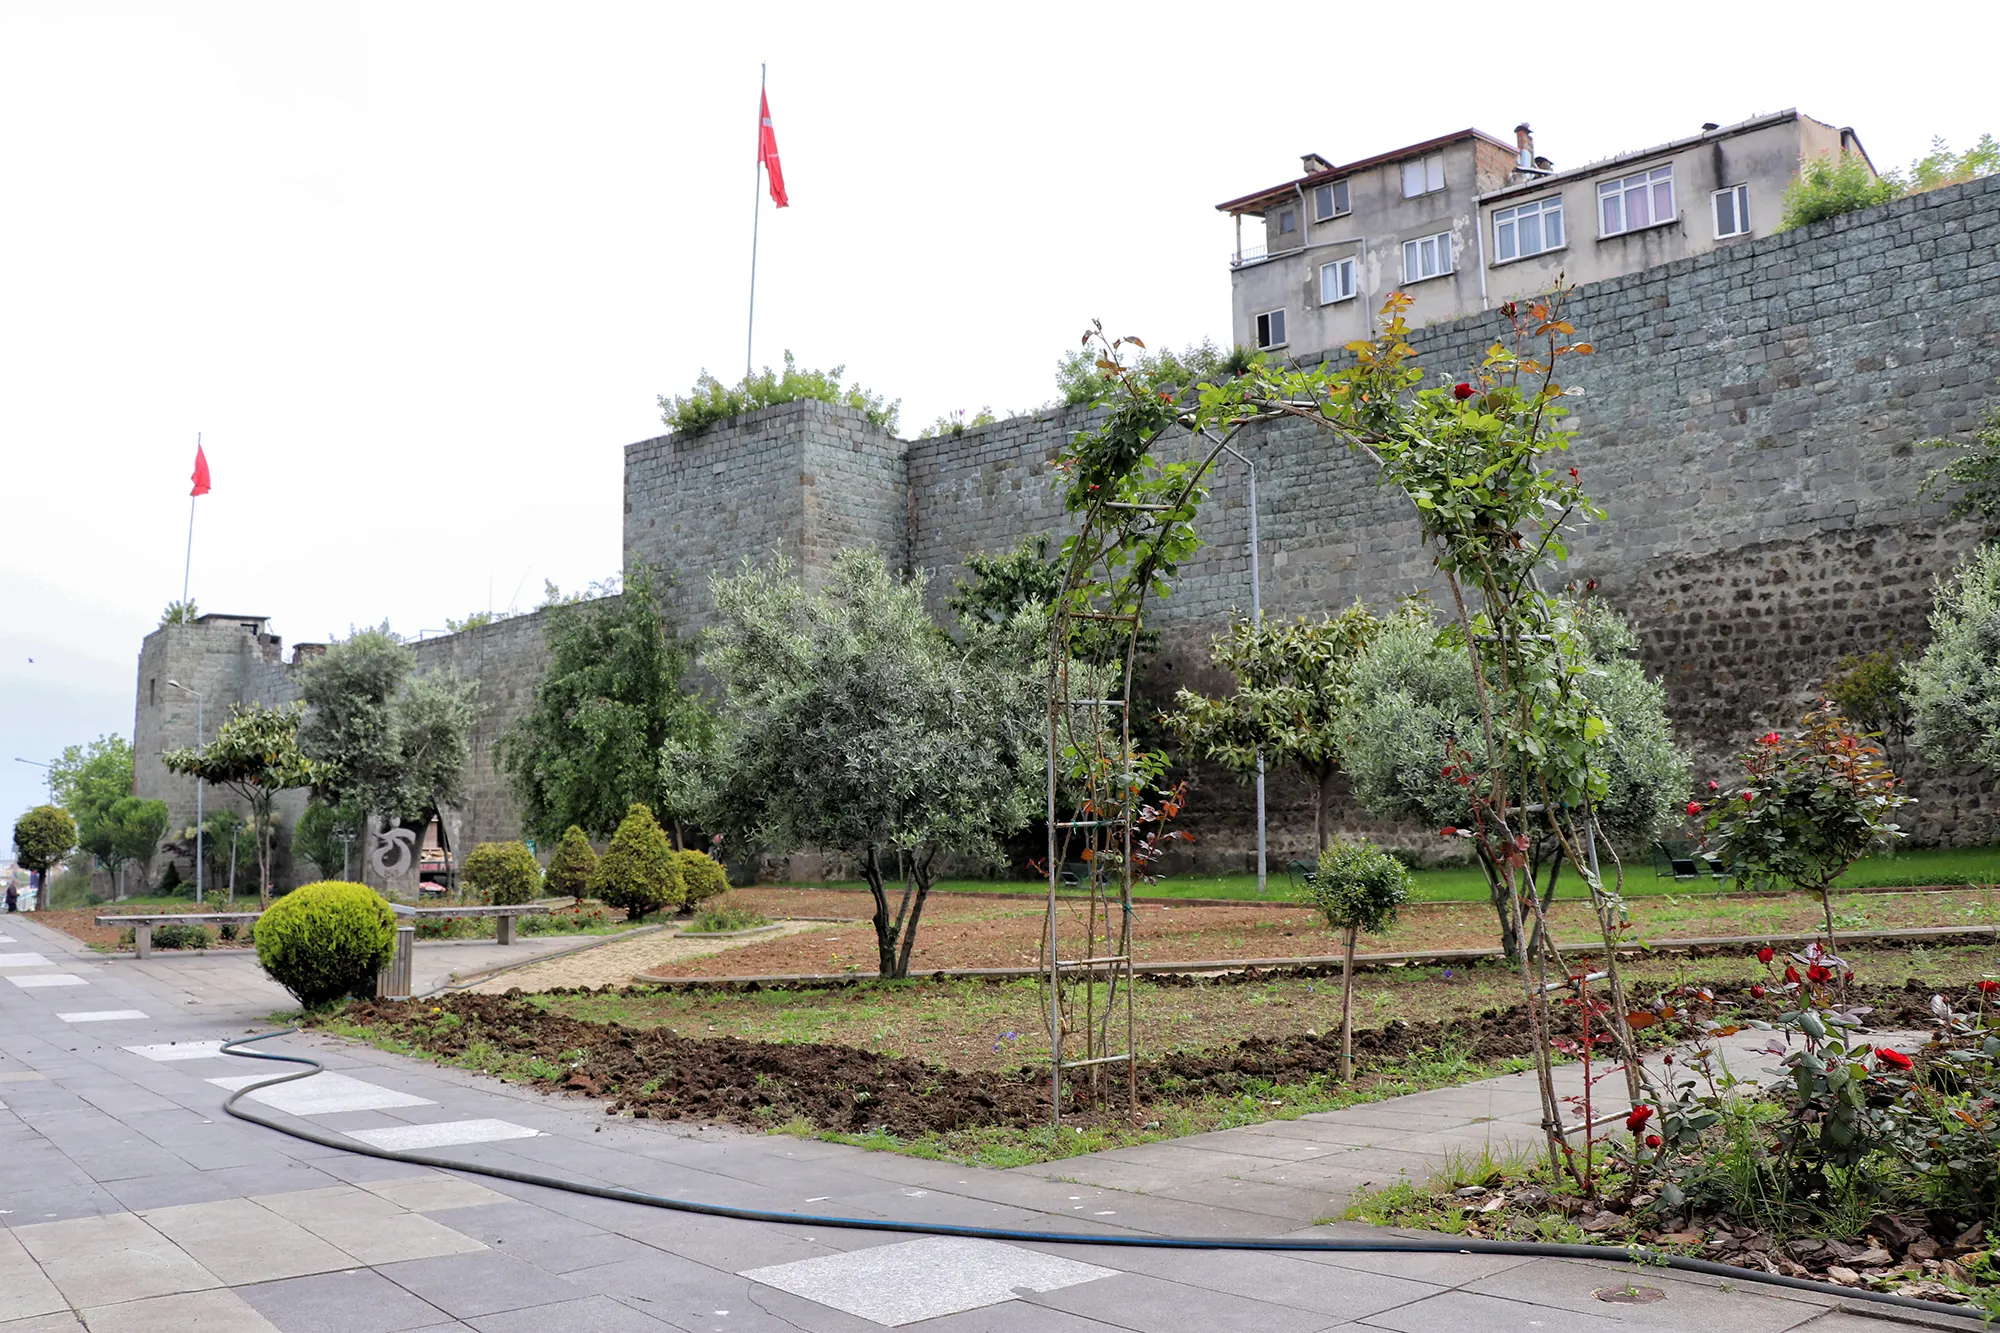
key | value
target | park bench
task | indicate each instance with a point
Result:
(1679, 860)
(505, 915)
(142, 925)
(1302, 874)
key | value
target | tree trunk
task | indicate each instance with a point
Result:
(1347, 1008)
(1323, 809)
(922, 872)
(1503, 908)
(885, 933)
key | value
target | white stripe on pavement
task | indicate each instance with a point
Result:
(101, 1016)
(442, 1135)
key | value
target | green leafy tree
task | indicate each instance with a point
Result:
(256, 755)
(224, 847)
(393, 741)
(854, 724)
(1810, 805)
(611, 724)
(1954, 689)
(1941, 166)
(638, 871)
(711, 400)
(1868, 687)
(1291, 690)
(1974, 475)
(503, 873)
(129, 834)
(180, 613)
(1081, 381)
(42, 838)
(94, 783)
(570, 868)
(1358, 891)
(314, 838)
(1829, 186)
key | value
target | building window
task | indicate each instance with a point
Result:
(1329, 201)
(1336, 281)
(1421, 175)
(1271, 329)
(1732, 211)
(1632, 202)
(1528, 229)
(1288, 221)
(153, 692)
(1429, 257)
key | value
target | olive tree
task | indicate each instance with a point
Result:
(854, 724)
(1414, 722)
(1954, 688)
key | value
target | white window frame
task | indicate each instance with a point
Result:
(1623, 187)
(1352, 282)
(1336, 195)
(1441, 251)
(1507, 229)
(1739, 197)
(1262, 327)
(1430, 172)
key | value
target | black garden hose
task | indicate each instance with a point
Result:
(1386, 1243)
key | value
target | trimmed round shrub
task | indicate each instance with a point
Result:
(503, 873)
(569, 869)
(1359, 887)
(704, 876)
(325, 941)
(180, 935)
(638, 871)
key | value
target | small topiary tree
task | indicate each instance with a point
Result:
(503, 873)
(326, 941)
(571, 867)
(1359, 888)
(704, 878)
(639, 871)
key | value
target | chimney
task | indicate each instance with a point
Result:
(1524, 147)
(1709, 127)
(1314, 162)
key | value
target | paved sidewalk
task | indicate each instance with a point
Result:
(129, 1202)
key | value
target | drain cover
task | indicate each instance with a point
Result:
(1630, 1295)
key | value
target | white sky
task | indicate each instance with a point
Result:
(417, 270)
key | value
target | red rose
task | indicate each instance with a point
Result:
(1749, 796)
(1573, 476)
(1988, 987)
(1791, 974)
(1756, 992)
(1654, 1140)
(1713, 785)
(1447, 832)
(1894, 1057)
(1694, 808)
(1637, 1120)
(1766, 954)
(1817, 973)
(1769, 738)
(1462, 391)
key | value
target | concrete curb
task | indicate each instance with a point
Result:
(1970, 934)
(453, 981)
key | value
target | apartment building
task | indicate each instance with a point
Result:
(1467, 221)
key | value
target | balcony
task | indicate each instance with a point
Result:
(1250, 254)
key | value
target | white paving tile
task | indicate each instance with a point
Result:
(924, 1279)
(179, 1050)
(24, 960)
(322, 1094)
(8, 939)
(443, 1134)
(48, 979)
(101, 1016)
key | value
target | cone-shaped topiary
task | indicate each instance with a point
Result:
(704, 877)
(571, 867)
(503, 873)
(638, 871)
(325, 941)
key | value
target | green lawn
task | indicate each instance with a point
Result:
(1918, 867)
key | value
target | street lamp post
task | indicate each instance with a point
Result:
(199, 831)
(1257, 615)
(50, 769)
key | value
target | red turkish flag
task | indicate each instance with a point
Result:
(200, 472)
(767, 150)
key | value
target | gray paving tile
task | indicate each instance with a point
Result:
(1690, 1302)
(24, 1290)
(1280, 1279)
(481, 1283)
(350, 1301)
(1136, 1301)
(195, 1312)
(546, 1239)
(64, 1322)
(241, 1242)
(1465, 1310)
(598, 1314)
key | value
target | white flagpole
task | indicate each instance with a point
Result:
(188, 565)
(756, 215)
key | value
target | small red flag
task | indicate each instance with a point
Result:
(767, 150)
(200, 472)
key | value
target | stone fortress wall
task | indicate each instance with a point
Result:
(1747, 424)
